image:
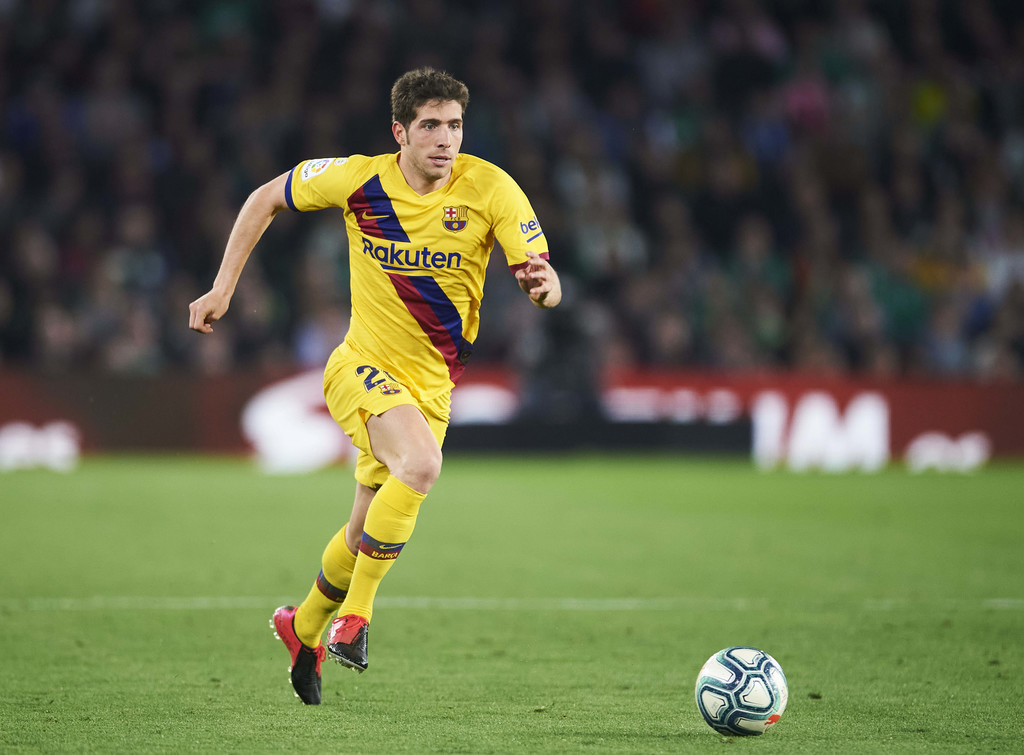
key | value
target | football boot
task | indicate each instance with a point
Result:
(305, 669)
(346, 642)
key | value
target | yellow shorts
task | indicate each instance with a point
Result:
(355, 389)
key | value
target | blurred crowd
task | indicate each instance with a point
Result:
(825, 185)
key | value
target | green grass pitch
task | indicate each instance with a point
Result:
(544, 605)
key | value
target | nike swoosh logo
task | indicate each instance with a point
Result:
(365, 215)
(391, 547)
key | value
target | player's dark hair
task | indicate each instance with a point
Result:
(415, 88)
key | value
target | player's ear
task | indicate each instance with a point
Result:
(399, 132)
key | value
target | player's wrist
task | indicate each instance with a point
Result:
(223, 288)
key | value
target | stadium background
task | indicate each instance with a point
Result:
(796, 223)
(748, 190)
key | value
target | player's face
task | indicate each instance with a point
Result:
(430, 144)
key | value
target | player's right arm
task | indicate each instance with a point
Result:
(254, 217)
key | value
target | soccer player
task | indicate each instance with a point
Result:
(421, 225)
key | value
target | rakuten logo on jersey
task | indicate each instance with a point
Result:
(392, 257)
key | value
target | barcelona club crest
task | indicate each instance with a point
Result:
(455, 218)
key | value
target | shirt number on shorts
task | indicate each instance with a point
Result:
(373, 379)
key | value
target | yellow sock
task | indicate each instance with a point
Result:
(327, 592)
(389, 523)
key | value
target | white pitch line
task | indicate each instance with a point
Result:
(230, 603)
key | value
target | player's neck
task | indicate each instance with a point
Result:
(418, 182)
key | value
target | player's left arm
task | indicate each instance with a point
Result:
(540, 281)
(518, 230)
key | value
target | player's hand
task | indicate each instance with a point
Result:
(540, 281)
(206, 310)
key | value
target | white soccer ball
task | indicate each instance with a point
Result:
(741, 691)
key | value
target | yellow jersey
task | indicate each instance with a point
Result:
(417, 263)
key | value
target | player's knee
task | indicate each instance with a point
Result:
(420, 471)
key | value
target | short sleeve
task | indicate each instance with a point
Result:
(515, 223)
(316, 184)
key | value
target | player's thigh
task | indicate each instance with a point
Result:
(359, 393)
(355, 390)
(401, 437)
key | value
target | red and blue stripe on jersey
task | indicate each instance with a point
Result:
(422, 295)
(374, 213)
(438, 317)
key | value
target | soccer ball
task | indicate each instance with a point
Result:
(741, 691)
